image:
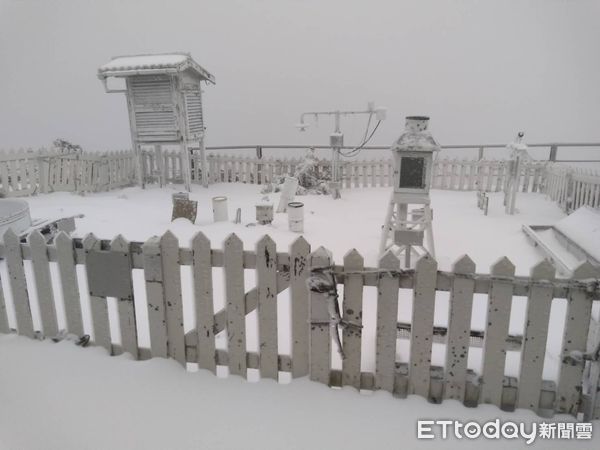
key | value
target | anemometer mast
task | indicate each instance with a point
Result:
(336, 139)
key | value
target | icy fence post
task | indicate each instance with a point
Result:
(266, 283)
(203, 294)
(577, 323)
(459, 329)
(98, 306)
(233, 264)
(535, 336)
(387, 319)
(43, 284)
(352, 315)
(320, 330)
(299, 297)
(419, 372)
(496, 332)
(18, 283)
(68, 280)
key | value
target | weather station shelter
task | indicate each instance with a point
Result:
(164, 100)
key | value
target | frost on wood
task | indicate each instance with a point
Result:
(312, 177)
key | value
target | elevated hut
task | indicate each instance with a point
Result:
(164, 100)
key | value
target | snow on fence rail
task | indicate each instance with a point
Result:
(573, 187)
(449, 174)
(26, 172)
(106, 271)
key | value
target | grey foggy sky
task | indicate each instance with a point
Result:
(481, 69)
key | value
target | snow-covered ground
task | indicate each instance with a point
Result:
(80, 399)
(63, 397)
(354, 221)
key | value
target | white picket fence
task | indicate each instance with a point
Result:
(449, 174)
(27, 172)
(573, 187)
(37, 269)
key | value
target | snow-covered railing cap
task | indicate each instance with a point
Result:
(150, 64)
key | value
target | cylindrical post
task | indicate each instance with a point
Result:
(219, 205)
(481, 149)
(296, 217)
(553, 152)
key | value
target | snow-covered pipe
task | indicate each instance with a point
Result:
(290, 185)
(295, 212)
(219, 205)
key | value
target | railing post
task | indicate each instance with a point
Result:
(553, 152)
(480, 157)
(258, 166)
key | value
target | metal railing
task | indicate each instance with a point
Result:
(553, 149)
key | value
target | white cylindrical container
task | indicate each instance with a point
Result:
(219, 205)
(264, 213)
(296, 216)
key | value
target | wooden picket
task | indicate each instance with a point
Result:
(98, 304)
(311, 315)
(236, 307)
(203, 292)
(43, 283)
(320, 330)
(496, 332)
(169, 247)
(459, 328)
(155, 294)
(266, 273)
(352, 314)
(539, 303)
(579, 310)
(387, 313)
(422, 324)
(126, 304)
(18, 283)
(68, 281)
(299, 272)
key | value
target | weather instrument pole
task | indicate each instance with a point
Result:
(336, 139)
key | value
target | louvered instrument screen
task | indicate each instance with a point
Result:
(193, 106)
(153, 108)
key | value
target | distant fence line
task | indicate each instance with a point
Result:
(448, 174)
(481, 149)
(161, 259)
(572, 188)
(27, 172)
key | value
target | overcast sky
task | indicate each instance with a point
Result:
(481, 69)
